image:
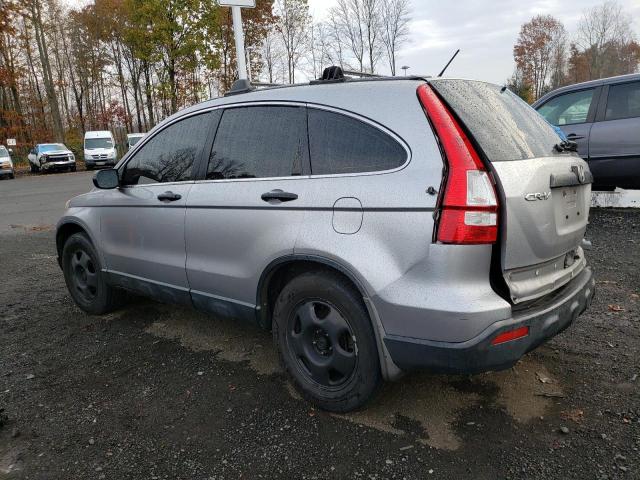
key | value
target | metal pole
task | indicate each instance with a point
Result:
(239, 36)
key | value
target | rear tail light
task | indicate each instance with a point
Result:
(469, 206)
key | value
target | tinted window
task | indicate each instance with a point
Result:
(341, 144)
(259, 142)
(3, 152)
(169, 156)
(623, 101)
(568, 109)
(505, 127)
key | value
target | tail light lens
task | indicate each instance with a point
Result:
(469, 206)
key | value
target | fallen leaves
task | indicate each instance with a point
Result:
(576, 415)
(616, 308)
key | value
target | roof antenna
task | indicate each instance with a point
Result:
(449, 63)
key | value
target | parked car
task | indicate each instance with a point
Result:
(51, 156)
(132, 139)
(438, 227)
(99, 149)
(603, 118)
(6, 165)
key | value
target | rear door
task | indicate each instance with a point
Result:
(615, 137)
(247, 210)
(574, 113)
(545, 192)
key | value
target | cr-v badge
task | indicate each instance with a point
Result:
(532, 197)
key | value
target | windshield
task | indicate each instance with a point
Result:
(52, 147)
(93, 143)
(134, 140)
(3, 152)
(505, 126)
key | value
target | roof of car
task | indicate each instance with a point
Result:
(591, 83)
(98, 134)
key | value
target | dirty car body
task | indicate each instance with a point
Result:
(444, 213)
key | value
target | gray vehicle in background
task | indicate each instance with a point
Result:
(375, 226)
(6, 164)
(603, 118)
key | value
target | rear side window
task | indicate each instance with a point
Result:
(505, 127)
(259, 142)
(170, 155)
(568, 109)
(342, 144)
(623, 101)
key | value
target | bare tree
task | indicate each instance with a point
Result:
(603, 32)
(348, 18)
(291, 23)
(394, 24)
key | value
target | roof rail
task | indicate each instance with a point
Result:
(362, 74)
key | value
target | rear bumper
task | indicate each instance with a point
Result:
(478, 355)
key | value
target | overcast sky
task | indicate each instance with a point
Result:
(484, 31)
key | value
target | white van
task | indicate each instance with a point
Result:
(132, 139)
(99, 149)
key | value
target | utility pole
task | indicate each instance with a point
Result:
(238, 33)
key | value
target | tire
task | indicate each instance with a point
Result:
(72, 169)
(89, 167)
(34, 168)
(323, 334)
(84, 277)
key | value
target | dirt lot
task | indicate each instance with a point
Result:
(155, 392)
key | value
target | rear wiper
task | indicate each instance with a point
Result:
(566, 146)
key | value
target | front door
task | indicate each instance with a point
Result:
(248, 210)
(573, 112)
(142, 223)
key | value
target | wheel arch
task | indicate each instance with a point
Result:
(280, 271)
(65, 229)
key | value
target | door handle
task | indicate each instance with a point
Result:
(573, 137)
(169, 196)
(278, 195)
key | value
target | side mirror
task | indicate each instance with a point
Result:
(10, 150)
(106, 179)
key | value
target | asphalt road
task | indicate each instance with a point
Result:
(37, 202)
(161, 392)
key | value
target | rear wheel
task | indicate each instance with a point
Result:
(84, 277)
(325, 340)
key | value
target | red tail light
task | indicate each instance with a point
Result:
(469, 206)
(510, 335)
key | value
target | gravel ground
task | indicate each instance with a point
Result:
(158, 392)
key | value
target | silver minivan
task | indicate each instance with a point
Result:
(375, 226)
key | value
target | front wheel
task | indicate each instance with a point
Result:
(326, 343)
(85, 279)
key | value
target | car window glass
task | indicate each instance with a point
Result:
(568, 109)
(342, 144)
(623, 101)
(259, 142)
(169, 156)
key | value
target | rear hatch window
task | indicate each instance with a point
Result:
(505, 127)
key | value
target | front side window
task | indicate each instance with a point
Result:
(4, 153)
(623, 101)
(170, 155)
(568, 109)
(259, 142)
(340, 144)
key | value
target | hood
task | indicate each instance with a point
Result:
(57, 152)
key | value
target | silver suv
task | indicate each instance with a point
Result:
(375, 226)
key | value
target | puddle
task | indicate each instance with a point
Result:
(232, 341)
(424, 407)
